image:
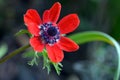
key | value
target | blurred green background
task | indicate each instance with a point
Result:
(93, 61)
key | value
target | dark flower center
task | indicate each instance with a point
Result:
(52, 31)
(50, 34)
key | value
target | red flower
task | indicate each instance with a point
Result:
(48, 33)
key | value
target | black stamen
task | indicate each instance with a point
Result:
(50, 34)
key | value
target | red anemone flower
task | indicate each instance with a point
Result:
(48, 33)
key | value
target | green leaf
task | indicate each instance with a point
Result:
(34, 60)
(3, 49)
(89, 36)
(57, 67)
(22, 31)
(46, 61)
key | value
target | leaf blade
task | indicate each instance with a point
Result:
(22, 31)
(89, 36)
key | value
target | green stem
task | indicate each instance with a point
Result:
(17, 51)
(89, 36)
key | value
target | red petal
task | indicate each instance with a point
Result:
(55, 53)
(55, 12)
(33, 29)
(32, 20)
(69, 23)
(32, 16)
(37, 44)
(67, 44)
(46, 16)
